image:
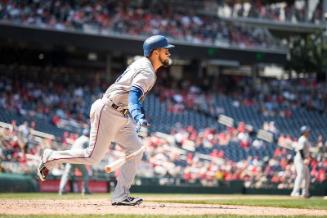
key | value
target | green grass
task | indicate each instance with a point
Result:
(256, 200)
(312, 203)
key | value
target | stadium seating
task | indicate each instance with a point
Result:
(111, 18)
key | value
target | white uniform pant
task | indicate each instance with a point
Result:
(302, 178)
(107, 125)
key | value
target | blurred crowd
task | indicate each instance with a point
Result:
(189, 154)
(188, 96)
(288, 11)
(274, 97)
(19, 149)
(186, 154)
(65, 106)
(205, 156)
(198, 157)
(270, 97)
(135, 18)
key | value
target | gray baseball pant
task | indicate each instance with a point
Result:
(107, 125)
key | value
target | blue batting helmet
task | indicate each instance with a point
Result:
(305, 129)
(154, 42)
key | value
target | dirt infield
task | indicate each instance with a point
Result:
(100, 206)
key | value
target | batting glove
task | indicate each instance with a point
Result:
(141, 123)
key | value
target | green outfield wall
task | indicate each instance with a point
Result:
(27, 183)
(17, 183)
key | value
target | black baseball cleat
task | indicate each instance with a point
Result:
(129, 201)
(42, 172)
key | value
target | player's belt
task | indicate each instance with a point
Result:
(117, 108)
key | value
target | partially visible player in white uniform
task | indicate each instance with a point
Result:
(81, 142)
(301, 161)
(117, 117)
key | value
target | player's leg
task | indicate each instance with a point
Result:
(98, 137)
(298, 180)
(64, 178)
(105, 123)
(128, 139)
(306, 182)
(85, 179)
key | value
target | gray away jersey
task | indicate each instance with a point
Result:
(139, 74)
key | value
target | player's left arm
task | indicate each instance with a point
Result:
(136, 108)
(141, 84)
(135, 105)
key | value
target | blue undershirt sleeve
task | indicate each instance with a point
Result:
(134, 104)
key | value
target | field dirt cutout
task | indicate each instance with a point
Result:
(101, 206)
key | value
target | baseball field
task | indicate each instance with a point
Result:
(160, 205)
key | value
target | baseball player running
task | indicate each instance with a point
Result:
(118, 116)
(81, 143)
(300, 162)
